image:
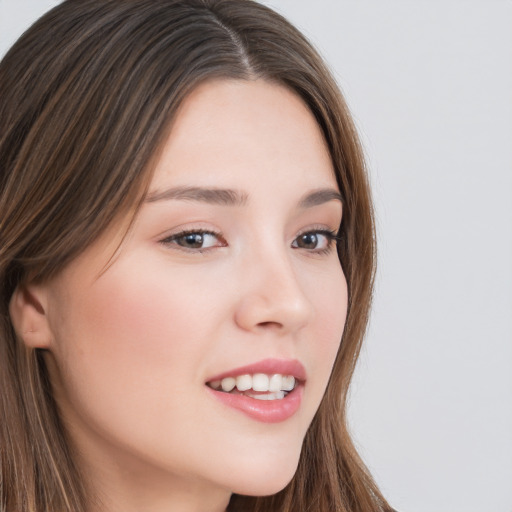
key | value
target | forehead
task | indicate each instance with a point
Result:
(239, 132)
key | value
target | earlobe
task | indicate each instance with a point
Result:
(29, 316)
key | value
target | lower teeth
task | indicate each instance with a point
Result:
(278, 395)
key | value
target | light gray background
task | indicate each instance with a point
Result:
(430, 86)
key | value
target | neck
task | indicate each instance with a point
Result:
(150, 495)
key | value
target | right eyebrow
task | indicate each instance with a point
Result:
(219, 196)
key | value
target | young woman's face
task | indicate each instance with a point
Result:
(230, 270)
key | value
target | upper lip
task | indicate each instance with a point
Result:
(268, 366)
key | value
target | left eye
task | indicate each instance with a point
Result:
(315, 240)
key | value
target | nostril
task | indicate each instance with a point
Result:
(270, 324)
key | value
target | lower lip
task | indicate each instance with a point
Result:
(266, 411)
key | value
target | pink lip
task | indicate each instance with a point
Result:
(266, 411)
(267, 366)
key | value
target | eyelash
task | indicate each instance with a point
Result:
(331, 236)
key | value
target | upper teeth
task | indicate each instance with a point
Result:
(257, 382)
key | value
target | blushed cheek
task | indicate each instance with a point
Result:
(331, 311)
(148, 320)
(102, 340)
(129, 319)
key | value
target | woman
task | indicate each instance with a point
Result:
(187, 258)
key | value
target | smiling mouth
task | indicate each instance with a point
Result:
(259, 386)
(268, 391)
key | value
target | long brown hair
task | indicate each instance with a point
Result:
(87, 96)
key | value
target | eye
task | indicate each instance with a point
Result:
(320, 241)
(195, 240)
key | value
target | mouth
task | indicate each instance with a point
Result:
(269, 391)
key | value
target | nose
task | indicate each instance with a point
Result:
(271, 296)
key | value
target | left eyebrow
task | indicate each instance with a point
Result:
(320, 196)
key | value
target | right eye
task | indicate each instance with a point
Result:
(195, 240)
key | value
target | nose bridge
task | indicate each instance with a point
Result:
(271, 294)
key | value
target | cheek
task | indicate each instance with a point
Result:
(124, 317)
(140, 328)
(330, 300)
(123, 343)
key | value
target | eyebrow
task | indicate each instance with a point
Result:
(320, 196)
(220, 196)
(230, 197)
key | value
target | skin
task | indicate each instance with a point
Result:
(129, 349)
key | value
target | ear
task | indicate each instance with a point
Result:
(28, 310)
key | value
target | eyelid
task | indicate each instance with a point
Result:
(321, 228)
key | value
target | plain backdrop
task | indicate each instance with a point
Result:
(430, 86)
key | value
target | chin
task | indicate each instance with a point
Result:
(267, 479)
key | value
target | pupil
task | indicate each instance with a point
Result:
(309, 240)
(193, 240)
